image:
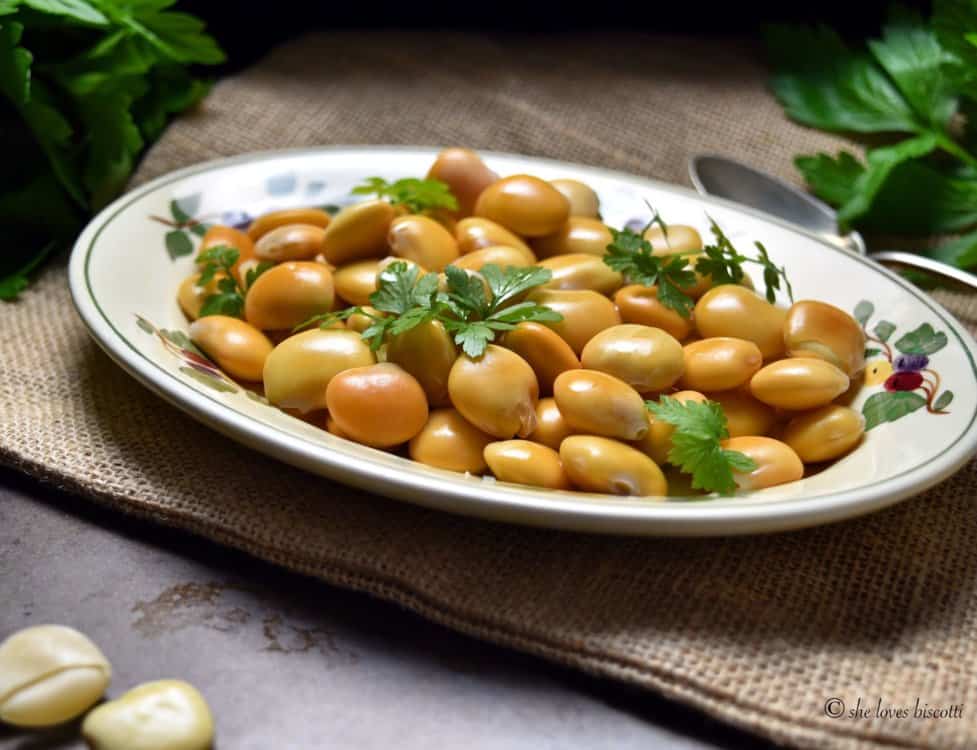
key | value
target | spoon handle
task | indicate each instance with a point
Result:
(930, 265)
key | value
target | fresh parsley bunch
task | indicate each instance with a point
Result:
(696, 443)
(474, 314)
(416, 195)
(85, 85)
(914, 91)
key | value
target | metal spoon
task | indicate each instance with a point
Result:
(726, 178)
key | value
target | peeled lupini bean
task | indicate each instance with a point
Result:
(449, 441)
(496, 392)
(824, 434)
(599, 464)
(161, 715)
(596, 403)
(379, 405)
(49, 674)
(525, 462)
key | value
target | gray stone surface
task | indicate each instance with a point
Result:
(289, 662)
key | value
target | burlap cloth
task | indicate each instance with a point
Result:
(757, 631)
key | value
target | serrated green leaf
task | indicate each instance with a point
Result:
(178, 244)
(889, 406)
(923, 340)
(831, 179)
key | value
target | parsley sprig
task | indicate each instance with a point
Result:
(724, 263)
(472, 313)
(696, 448)
(229, 297)
(416, 195)
(632, 255)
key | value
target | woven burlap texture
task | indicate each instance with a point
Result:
(757, 631)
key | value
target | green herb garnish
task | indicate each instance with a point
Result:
(913, 81)
(472, 314)
(724, 264)
(417, 196)
(632, 255)
(696, 448)
(229, 298)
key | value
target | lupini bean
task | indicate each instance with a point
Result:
(596, 403)
(745, 415)
(359, 322)
(274, 219)
(449, 441)
(475, 233)
(290, 242)
(49, 674)
(500, 255)
(191, 296)
(355, 282)
(581, 271)
(658, 442)
(217, 235)
(161, 715)
(525, 462)
(817, 329)
(465, 173)
(544, 350)
(799, 383)
(357, 232)
(599, 464)
(824, 434)
(640, 304)
(289, 294)
(525, 205)
(720, 364)
(427, 352)
(422, 240)
(496, 392)
(300, 368)
(647, 359)
(776, 462)
(578, 235)
(583, 200)
(585, 313)
(731, 310)
(237, 347)
(679, 239)
(551, 427)
(380, 405)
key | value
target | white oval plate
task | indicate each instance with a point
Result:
(127, 264)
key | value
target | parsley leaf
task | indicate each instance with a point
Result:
(229, 297)
(632, 255)
(416, 195)
(724, 263)
(696, 447)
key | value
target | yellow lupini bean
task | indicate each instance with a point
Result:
(525, 462)
(422, 240)
(679, 239)
(357, 232)
(500, 255)
(161, 715)
(290, 242)
(496, 392)
(543, 349)
(274, 219)
(745, 415)
(525, 205)
(720, 364)
(798, 383)
(355, 282)
(551, 427)
(596, 403)
(49, 674)
(640, 304)
(465, 173)
(380, 405)
(191, 296)
(300, 368)
(475, 233)
(817, 329)
(583, 200)
(647, 359)
(578, 235)
(824, 434)
(427, 352)
(581, 271)
(585, 313)
(289, 294)
(449, 441)
(776, 462)
(218, 235)
(599, 464)
(732, 310)
(657, 443)
(237, 347)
